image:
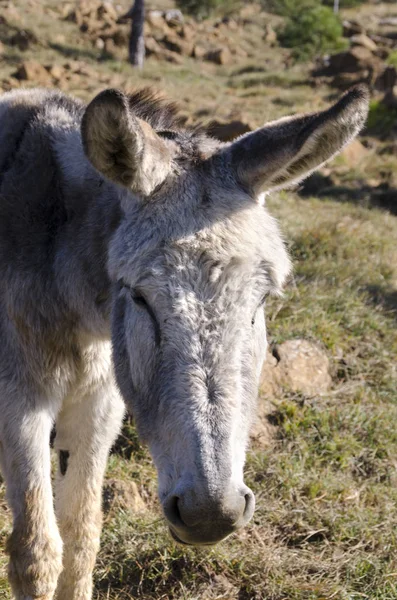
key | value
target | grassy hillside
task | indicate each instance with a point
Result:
(326, 483)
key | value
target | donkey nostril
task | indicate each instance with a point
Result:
(249, 505)
(172, 511)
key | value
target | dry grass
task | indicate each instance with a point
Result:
(326, 489)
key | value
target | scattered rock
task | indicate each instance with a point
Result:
(363, 40)
(354, 60)
(199, 51)
(351, 28)
(354, 153)
(270, 35)
(227, 131)
(33, 71)
(386, 83)
(220, 56)
(23, 39)
(176, 44)
(297, 365)
(10, 83)
(173, 16)
(56, 72)
(122, 494)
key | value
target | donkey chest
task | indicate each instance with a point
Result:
(83, 372)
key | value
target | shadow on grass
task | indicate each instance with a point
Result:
(75, 53)
(384, 297)
(145, 574)
(382, 196)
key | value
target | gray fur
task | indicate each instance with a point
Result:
(165, 247)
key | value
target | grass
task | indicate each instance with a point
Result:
(326, 486)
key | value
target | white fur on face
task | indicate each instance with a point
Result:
(195, 391)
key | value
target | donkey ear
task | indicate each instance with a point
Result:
(285, 151)
(122, 147)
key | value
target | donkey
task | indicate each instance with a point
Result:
(136, 256)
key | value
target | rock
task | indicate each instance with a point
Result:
(176, 44)
(354, 153)
(23, 39)
(220, 56)
(56, 71)
(174, 17)
(122, 494)
(363, 40)
(351, 28)
(156, 20)
(199, 51)
(120, 38)
(227, 131)
(33, 71)
(110, 47)
(380, 40)
(10, 83)
(386, 80)
(2, 49)
(152, 47)
(106, 10)
(270, 35)
(352, 61)
(344, 81)
(297, 365)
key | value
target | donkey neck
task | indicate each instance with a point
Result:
(93, 211)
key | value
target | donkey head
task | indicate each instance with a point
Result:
(192, 262)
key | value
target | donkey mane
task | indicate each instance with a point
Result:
(161, 114)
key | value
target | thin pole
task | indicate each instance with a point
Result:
(137, 41)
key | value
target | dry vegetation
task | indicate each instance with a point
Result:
(326, 485)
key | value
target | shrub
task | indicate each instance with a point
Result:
(311, 30)
(392, 59)
(291, 7)
(381, 119)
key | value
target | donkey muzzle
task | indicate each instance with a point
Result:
(202, 520)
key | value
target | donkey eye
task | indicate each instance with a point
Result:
(262, 302)
(139, 300)
(265, 297)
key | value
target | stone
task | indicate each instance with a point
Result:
(10, 83)
(33, 71)
(23, 39)
(199, 51)
(363, 40)
(56, 71)
(344, 81)
(176, 44)
(220, 56)
(120, 38)
(229, 130)
(386, 80)
(354, 153)
(152, 47)
(122, 494)
(270, 35)
(174, 17)
(298, 365)
(110, 47)
(351, 28)
(355, 59)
